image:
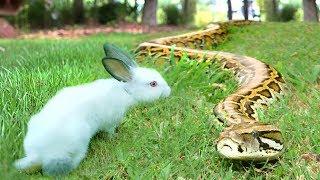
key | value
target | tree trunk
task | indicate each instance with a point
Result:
(245, 9)
(189, 9)
(271, 7)
(10, 8)
(78, 11)
(149, 16)
(310, 11)
(229, 10)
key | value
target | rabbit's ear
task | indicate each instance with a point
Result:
(118, 63)
(117, 69)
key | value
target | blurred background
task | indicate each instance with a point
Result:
(25, 16)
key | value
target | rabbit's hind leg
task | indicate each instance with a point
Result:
(28, 164)
(79, 157)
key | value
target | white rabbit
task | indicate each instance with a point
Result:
(58, 136)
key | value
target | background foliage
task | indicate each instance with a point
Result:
(58, 13)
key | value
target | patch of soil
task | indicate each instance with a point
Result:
(6, 30)
(311, 157)
(75, 32)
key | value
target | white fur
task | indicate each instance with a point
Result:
(58, 136)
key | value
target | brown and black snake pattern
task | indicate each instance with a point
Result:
(244, 138)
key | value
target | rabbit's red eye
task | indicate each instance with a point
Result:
(153, 83)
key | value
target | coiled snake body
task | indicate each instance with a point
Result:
(244, 138)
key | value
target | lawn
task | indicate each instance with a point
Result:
(173, 137)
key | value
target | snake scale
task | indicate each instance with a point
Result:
(244, 138)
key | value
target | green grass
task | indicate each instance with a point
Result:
(172, 137)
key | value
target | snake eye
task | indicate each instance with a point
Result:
(153, 83)
(255, 134)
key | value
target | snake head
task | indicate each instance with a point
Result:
(250, 142)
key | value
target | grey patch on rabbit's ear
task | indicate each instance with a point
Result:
(118, 63)
(117, 69)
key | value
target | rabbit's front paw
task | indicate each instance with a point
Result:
(113, 135)
(112, 132)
